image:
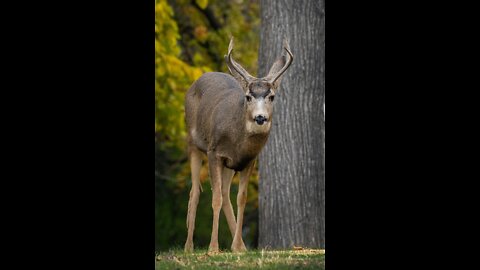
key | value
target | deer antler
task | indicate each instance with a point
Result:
(277, 75)
(239, 69)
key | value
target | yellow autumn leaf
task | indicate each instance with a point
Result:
(197, 73)
(202, 3)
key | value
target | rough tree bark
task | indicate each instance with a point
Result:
(292, 173)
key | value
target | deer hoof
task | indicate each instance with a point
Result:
(238, 247)
(213, 248)
(213, 251)
(188, 247)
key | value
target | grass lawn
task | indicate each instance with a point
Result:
(263, 259)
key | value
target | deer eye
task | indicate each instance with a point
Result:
(249, 98)
(271, 98)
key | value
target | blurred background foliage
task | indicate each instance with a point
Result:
(191, 38)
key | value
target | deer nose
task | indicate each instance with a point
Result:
(260, 119)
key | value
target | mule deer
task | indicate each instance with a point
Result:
(228, 119)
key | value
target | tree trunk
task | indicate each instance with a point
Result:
(292, 164)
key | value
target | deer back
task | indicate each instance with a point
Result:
(214, 111)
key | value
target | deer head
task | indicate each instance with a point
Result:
(259, 92)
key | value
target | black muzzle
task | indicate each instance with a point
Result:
(260, 119)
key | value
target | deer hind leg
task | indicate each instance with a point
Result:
(215, 166)
(195, 165)
(237, 244)
(227, 176)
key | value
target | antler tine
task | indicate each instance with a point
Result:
(230, 46)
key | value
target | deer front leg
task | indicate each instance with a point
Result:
(237, 244)
(227, 176)
(215, 165)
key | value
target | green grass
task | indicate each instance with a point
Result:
(262, 259)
